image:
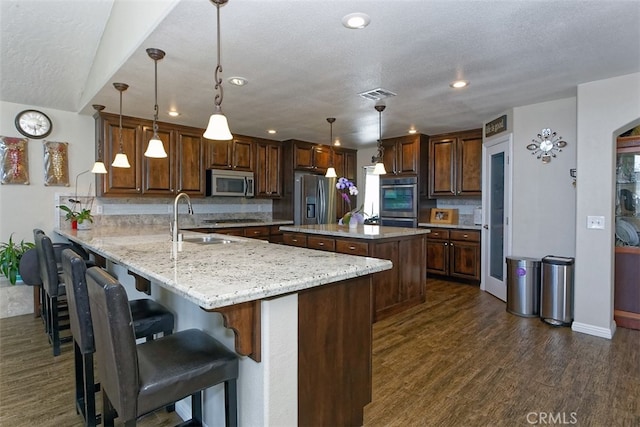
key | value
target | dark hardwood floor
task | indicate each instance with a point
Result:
(458, 360)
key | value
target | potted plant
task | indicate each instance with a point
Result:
(77, 217)
(10, 254)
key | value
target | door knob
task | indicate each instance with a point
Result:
(486, 227)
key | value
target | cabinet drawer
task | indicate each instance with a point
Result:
(274, 230)
(438, 233)
(295, 239)
(465, 235)
(322, 243)
(257, 232)
(351, 247)
(229, 231)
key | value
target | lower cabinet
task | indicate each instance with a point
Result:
(394, 290)
(454, 253)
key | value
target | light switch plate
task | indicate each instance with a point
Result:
(595, 222)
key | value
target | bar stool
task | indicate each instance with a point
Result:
(139, 379)
(149, 318)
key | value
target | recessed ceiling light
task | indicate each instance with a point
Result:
(356, 21)
(412, 131)
(271, 131)
(336, 142)
(173, 113)
(459, 84)
(237, 81)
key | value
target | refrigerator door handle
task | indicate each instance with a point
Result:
(321, 203)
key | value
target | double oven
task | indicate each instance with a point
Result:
(399, 201)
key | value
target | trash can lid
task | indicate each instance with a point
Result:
(523, 261)
(558, 260)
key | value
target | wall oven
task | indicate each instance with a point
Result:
(229, 183)
(399, 201)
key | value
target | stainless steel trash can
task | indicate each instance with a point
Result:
(556, 295)
(523, 286)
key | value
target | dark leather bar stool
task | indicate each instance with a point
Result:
(149, 318)
(139, 379)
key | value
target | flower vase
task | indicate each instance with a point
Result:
(84, 225)
(74, 225)
(353, 223)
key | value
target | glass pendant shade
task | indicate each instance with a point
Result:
(379, 169)
(218, 128)
(98, 167)
(331, 173)
(121, 161)
(155, 149)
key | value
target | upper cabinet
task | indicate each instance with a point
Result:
(236, 154)
(311, 157)
(181, 171)
(268, 169)
(401, 155)
(455, 164)
(344, 161)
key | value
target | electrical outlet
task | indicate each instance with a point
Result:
(99, 209)
(595, 222)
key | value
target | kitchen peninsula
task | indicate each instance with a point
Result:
(307, 311)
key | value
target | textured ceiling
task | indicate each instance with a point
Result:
(304, 66)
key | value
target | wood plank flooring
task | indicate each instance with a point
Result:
(458, 360)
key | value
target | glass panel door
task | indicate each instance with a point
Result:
(496, 215)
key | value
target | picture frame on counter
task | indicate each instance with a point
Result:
(444, 216)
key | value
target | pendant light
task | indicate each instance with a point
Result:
(218, 128)
(155, 148)
(379, 167)
(98, 166)
(121, 160)
(331, 172)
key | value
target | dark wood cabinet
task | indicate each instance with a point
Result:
(394, 290)
(454, 253)
(345, 163)
(401, 155)
(236, 154)
(455, 164)
(181, 170)
(268, 169)
(311, 157)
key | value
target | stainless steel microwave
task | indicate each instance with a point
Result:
(229, 183)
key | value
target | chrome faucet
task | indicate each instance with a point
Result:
(174, 224)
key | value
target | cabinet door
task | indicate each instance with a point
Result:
(338, 162)
(437, 257)
(158, 176)
(413, 274)
(465, 260)
(122, 181)
(389, 155)
(303, 156)
(218, 154)
(469, 173)
(267, 169)
(350, 165)
(387, 283)
(190, 162)
(408, 152)
(442, 155)
(242, 156)
(321, 158)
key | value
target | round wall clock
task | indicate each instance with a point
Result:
(33, 124)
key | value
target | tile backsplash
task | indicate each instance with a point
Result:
(465, 207)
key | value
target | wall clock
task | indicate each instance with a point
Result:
(33, 124)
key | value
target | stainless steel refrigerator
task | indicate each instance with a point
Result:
(314, 200)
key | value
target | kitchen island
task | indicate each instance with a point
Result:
(308, 314)
(394, 290)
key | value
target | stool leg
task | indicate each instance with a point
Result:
(55, 327)
(79, 380)
(196, 408)
(230, 403)
(89, 388)
(108, 411)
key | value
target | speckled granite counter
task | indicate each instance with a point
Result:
(218, 275)
(234, 223)
(361, 232)
(457, 226)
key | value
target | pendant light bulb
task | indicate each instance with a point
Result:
(218, 127)
(331, 171)
(155, 149)
(121, 160)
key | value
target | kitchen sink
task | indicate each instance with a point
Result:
(207, 240)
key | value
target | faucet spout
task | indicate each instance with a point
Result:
(174, 224)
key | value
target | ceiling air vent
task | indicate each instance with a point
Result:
(377, 94)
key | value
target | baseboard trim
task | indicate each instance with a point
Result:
(595, 330)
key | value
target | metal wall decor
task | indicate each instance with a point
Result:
(546, 144)
(56, 163)
(14, 160)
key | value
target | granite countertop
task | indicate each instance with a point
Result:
(234, 223)
(218, 275)
(361, 232)
(458, 226)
